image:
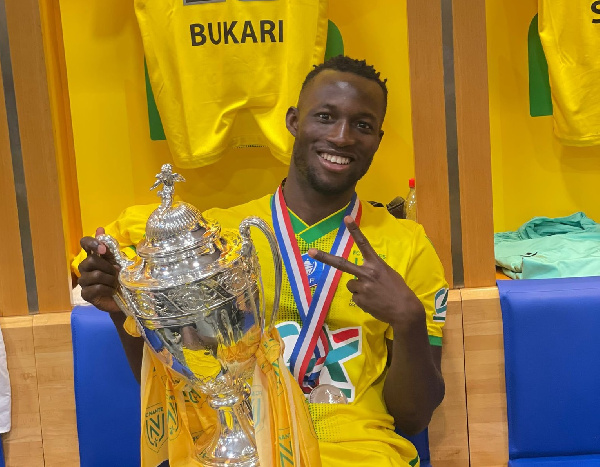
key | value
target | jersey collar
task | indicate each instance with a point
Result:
(310, 233)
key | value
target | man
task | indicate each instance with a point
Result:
(383, 326)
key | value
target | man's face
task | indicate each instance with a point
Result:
(337, 126)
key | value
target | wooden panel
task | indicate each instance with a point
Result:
(484, 372)
(23, 444)
(13, 294)
(448, 438)
(39, 158)
(474, 151)
(429, 123)
(54, 361)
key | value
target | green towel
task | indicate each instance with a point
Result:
(545, 248)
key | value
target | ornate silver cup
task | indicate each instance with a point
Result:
(196, 294)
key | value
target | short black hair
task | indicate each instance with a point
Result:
(349, 65)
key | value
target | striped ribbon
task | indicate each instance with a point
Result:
(312, 309)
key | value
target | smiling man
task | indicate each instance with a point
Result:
(364, 294)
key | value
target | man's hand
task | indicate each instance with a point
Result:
(376, 288)
(99, 274)
(414, 386)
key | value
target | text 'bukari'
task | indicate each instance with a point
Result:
(236, 32)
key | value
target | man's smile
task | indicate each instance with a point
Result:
(334, 159)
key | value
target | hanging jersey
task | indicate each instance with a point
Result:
(224, 72)
(570, 34)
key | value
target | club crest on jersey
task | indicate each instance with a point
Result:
(313, 268)
(154, 427)
(172, 416)
(345, 344)
(441, 305)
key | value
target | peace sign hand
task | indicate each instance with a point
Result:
(377, 288)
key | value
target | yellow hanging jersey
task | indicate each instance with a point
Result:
(362, 432)
(224, 72)
(570, 34)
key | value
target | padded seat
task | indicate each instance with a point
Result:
(552, 359)
(421, 442)
(570, 461)
(107, 396)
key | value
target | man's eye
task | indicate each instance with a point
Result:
(365, 126)
(324, 116)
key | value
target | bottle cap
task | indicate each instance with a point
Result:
(411, 183)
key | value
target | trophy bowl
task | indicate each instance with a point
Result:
(196, 295)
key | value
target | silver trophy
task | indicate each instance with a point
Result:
(197, 296)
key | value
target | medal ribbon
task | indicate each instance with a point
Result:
(312, 309)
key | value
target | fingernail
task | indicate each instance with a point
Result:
(101, 248)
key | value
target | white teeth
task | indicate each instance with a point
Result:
(335, 159)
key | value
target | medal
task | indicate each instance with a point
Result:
(313, 269)
(312, 340)
(327, 394)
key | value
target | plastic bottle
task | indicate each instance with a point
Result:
(410, 205)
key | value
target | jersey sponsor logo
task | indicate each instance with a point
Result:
(236, 32)
(596, 10)
(441, 305)
(344, 345)
(154, 426)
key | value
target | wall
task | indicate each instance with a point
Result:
(533, 174)
(117, 161)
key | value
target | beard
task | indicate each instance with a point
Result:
(324, 185)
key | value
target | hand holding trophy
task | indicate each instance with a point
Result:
(196, 295)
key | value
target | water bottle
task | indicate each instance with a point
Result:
(410, 205)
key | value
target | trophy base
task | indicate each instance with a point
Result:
(234, 444)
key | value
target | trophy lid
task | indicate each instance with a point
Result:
(180, 245)
(174, 226)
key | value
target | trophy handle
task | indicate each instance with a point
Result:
(268, 232)
(123, 261)
(113, 246)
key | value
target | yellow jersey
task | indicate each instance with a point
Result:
(360, 433)
(570, 35)
(224, 72)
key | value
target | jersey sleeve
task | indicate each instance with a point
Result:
(128, 229)
(425, 277)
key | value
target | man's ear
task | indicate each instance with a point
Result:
(291, 120)
(381, 133)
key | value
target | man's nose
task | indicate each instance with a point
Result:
(340, 134)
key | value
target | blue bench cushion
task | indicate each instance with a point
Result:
(552, 355)
(571, 461)
(421, 443)
(107, 396)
